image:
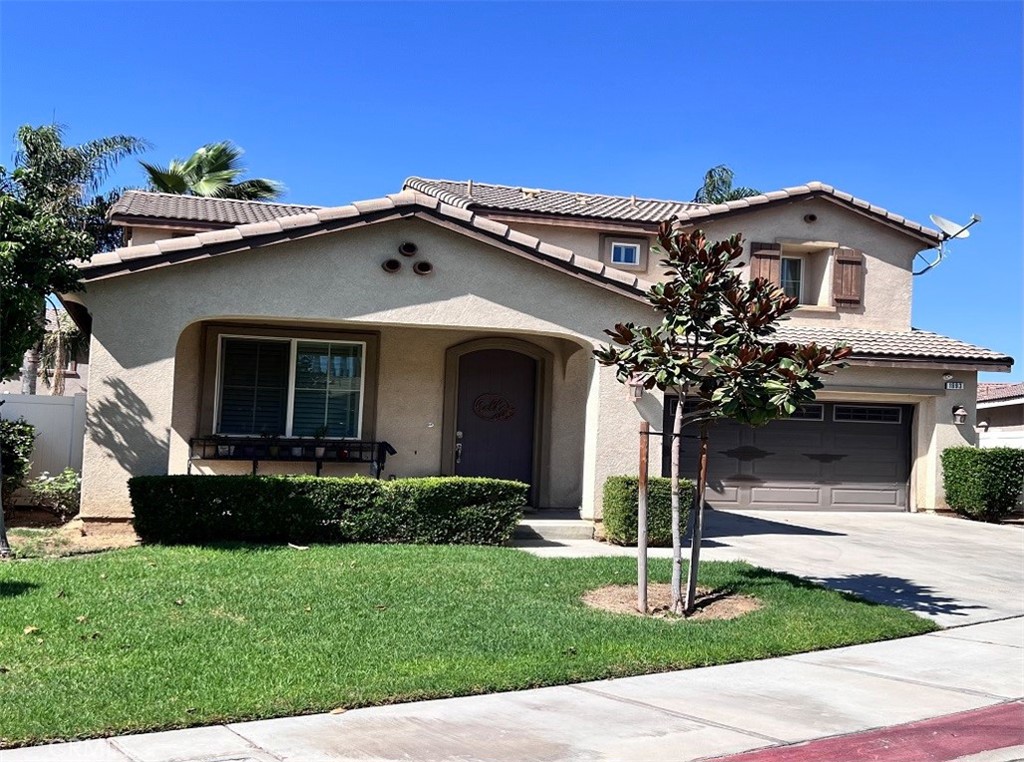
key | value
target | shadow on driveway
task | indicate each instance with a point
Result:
(726, 524)
(895, 591)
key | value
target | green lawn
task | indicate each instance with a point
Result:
(153, 637)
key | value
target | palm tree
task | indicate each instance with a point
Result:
(63, 341)
(213, 170)
(717, 187)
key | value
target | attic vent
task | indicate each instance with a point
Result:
(530, 192)
(469, 188)
(632, 200)
(581, 200)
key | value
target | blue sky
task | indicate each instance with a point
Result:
(916, 107)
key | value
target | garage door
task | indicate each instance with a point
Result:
(828, 456)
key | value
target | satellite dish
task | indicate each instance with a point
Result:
(949, 228)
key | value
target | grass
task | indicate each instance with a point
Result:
(38, 542)
(152, 637)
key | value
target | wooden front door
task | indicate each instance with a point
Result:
(495, 412)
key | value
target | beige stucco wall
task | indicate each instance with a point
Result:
(888, 254)
(475, 290)
(143, 401)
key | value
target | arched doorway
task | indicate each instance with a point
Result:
(495, 397)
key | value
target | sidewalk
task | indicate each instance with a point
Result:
(687, 715)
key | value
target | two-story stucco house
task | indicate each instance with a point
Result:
(456, 322)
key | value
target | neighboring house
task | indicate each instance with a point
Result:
(1001, 415)
(76, 372)
(456, 321)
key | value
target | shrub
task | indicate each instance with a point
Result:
(983, 483)
(191, 509)
(60, 494)
(620, 509)
(449, 510)
(17, 439)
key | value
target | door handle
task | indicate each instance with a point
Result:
(458, 453)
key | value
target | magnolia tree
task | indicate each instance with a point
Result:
(714, 347)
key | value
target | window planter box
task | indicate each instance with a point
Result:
(289, 449)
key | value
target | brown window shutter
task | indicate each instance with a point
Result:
(848, 277)
(766, 262)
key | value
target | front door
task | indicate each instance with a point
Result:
(494, 416)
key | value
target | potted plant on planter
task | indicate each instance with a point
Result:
(319, 436)
(224, 450)
(273, 448)
(297, 449)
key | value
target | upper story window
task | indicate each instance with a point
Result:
(290, 387)
(791, 277)
(817, 273)
(625, 253)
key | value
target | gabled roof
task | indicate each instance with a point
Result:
(321, 221)
(554, 203)
(135, 207)
(1000, 392)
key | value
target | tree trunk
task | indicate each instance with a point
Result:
(641, 520)
(697, 521)
(677, 538)
(29, 371)
(5, 547)
(60, 361)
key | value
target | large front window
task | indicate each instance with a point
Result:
(290, 387)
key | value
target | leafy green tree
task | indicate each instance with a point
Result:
(51, 213)
(715, 347)
(718, 188)
(37, 253)
(213, 170)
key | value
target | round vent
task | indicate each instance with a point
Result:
(392, 266)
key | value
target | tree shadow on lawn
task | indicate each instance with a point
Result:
(12, 589)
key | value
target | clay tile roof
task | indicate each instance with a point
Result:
(510, 198)
(905, 345)
(540, 201)
(136, 204)
(994, 392)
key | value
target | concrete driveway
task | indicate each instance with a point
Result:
(948, 569)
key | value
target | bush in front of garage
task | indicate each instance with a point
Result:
(983, 483)
(620, 506)
(301, 509)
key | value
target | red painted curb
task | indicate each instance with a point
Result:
(941, 739)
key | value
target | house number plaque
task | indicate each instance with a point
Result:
(954, 385)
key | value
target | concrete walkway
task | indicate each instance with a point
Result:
(687, 715)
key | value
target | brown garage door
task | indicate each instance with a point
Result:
(831, 455)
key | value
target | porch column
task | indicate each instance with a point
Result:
(611, 444)
(128, 419)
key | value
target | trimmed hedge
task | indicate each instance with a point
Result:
(983, 483)
(17, 440)
(620, 509)
(302, 509)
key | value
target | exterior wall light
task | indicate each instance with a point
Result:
(635, 389)
(959, 415)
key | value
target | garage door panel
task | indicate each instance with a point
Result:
(781, 495)
(844, 496)
(808, 464)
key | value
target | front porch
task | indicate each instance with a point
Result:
(296, 397)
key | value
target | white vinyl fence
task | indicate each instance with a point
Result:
(1002, 438)
(60, 429)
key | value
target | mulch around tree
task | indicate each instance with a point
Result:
(711, 604)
